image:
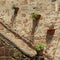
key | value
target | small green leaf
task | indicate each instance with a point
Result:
(34, 15)
(13, 6)
(52, 26)
(40, 46)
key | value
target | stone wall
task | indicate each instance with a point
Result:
(23, 22)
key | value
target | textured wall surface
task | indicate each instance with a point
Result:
(23, 22)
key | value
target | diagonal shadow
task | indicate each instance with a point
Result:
(16, 35)
(2, 37)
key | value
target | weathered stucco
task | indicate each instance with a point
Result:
(23, 22)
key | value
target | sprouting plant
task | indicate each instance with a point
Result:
(40, 46)
(13, 6)
(51, 26)
(34, 15)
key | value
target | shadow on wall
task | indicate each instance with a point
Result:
(49, 38)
